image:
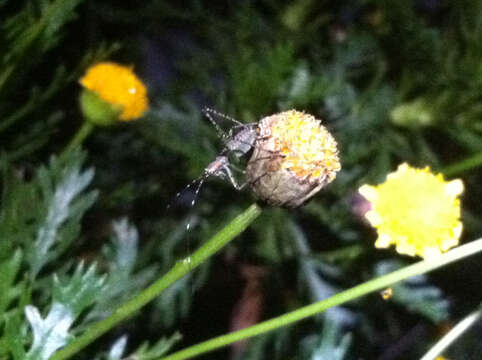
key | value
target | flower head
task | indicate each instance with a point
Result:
(294, 157)
(416, 211)
(118, 86)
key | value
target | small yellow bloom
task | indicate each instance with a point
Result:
(308, 148)
(386, 293)
(294, 157)
(119, 86)
(416, 211)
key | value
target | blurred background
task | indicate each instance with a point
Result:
(393, 81)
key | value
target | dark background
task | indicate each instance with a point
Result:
(350, 63)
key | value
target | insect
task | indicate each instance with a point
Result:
(238, 142)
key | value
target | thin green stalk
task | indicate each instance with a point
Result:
(464, 165)
(228, 233)
(379, 283)
(458, 330)
(80, 136)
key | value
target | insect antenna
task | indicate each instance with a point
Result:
(208, 112)
(196, 193)
(181, 192)
(198, 184)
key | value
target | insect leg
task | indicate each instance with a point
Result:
(226, 172)
(237, 169)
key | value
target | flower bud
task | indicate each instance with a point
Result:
(417, 113)
(98, 111)
(294, 157)
(112, 92)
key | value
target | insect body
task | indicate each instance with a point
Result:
(238, 141)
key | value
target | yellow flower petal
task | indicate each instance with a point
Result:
(454, 188)
(383, 241)
(373, 218)
(368, 192)
(415, 210)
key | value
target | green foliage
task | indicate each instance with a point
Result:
(27, 39)
(274, 344)
(27, 36)
(394, 81)
(331, 345)
(266, 68)
(144, 351)
(43, 216)
(9, 269)
(156, 350)
(80, 290)
(68, 302)
(40, 219)
(123, 280)
(416, 294)
(62, 210)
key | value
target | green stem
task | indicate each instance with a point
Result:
(464, 165)
(80, 136)
(458, 330)
(379, 283)
(234, 228)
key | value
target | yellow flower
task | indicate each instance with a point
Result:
(309, 149)
(293, 158)
(386, 293)
(416, 211)
(117, 85)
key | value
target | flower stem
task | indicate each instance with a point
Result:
(464, 165)
(458, 330)
(234, 228)
(80, 136)
(379, 283)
